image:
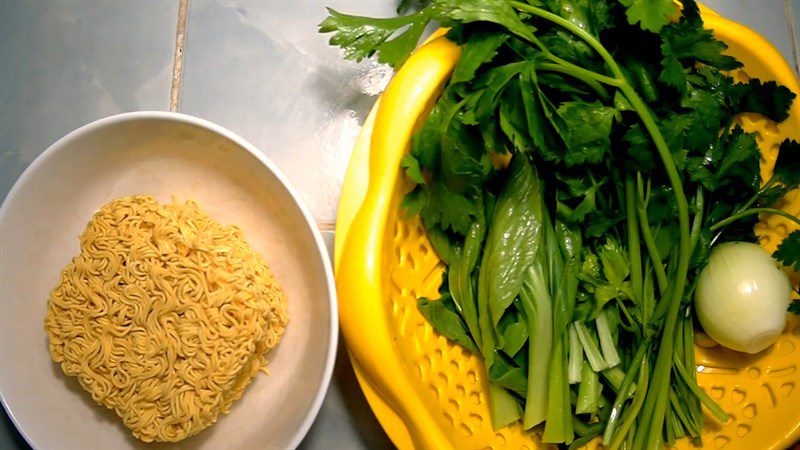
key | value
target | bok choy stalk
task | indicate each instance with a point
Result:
(511, 246)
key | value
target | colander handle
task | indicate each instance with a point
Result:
(362, 281)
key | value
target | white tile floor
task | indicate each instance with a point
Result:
(66, 63)
(256, 67)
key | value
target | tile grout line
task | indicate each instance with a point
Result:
(792, 34)
(177, 67)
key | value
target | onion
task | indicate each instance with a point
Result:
(742, 297)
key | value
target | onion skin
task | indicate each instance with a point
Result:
(742, 297)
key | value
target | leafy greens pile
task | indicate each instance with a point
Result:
(571, 269)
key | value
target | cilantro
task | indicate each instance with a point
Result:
(787, 165)
(452, 12)
(622, 118)
(685, 42)
(452, 211)
(786, 173)
(479, 49)
(651, 15)
(361, 37)
(414, 201)
(788, 252)
(591, 15)
(588, 131)
(412, 169)
(794, 307)
(767, 98)
(738, 161)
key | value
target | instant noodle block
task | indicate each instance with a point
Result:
(430, 393)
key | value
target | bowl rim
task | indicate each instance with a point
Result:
(322, 252)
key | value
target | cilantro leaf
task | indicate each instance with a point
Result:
(413, 171)
(479, 49)
(788, 252)
(767, 98)
(414, 201)
(426, 144)
(591, 15)
(685, 42)
(640, 148)
(794, 307)
(651, 15)
(787, 165)
(452, 211)
(588, 131)
(707, 116)
(361, 37)
(449, 12)
(491, 84)
(738, 161)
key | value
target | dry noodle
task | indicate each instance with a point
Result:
(165, 316)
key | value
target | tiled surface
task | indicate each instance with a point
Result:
(66, 63)
(256, 67)
(261, 70)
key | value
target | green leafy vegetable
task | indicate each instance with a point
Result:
(788, 252)
(571, 271)
(361, 37)
(443, 318)
(652, 15)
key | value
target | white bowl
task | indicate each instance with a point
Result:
(162, 154)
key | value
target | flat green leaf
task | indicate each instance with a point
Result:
(514, 337)
(615, 262)
(414, 201)
(494, 11)
(443, 318)
(452, 211)
(413, 171)
(480, 48)
(588, 127)
(787, 165)
(767, 98)
(361, 37)
(505, 374)
(511, 243)
(651, 15)
(788, 252)
(738, 160)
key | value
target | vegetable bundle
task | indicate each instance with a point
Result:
(573, 175)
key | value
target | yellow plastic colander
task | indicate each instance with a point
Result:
(430, 394)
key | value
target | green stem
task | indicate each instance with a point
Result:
(578, 31)
(758, 194)
(649, 241)
(580, 70)
(752, 211)
(622, 395)
(633, 410)
(659, 400)
(697, 224)
(558, 427)
(634, 250)
(590, 81)
(709, 403)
